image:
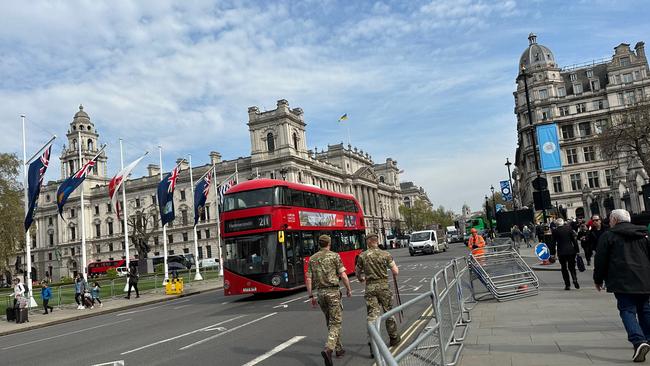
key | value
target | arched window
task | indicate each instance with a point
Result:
(295, 141)
(81, 127)
(90, 144)
(382, 179)
(270, 143)
(71, 165)
(74, 143)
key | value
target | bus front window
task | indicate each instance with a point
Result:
(254, 254)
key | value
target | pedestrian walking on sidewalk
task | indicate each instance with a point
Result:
(80, 286)
(566, 247)
(133, 278)
(46, 295)
(516, 236)
(19, 291)
(372, 268)
(623, 263)
(526, 233)
(323, 273)
(597, 230)
(94, 293)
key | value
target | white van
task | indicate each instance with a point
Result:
(122, 271)
(425, 242)
(209, 262)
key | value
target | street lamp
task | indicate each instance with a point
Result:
(494, 204)
(512, 191)
(487, 207)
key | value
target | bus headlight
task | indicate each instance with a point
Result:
(276, 280)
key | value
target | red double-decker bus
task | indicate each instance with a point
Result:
(96, 269)
(270, 228)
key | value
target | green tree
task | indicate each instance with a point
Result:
(12, 212)
(418, 217)
(443, 217)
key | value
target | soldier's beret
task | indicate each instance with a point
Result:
(325, 238)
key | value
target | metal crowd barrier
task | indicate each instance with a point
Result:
(503, 272)
(441, 327)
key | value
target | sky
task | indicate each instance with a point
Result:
(426, 82)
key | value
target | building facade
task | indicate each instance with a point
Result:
(279, 150)
(412, 192)
(580, 100)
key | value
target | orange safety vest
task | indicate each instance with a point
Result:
(479, 242)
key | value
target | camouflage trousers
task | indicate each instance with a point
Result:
(379, 299)
(330, 304)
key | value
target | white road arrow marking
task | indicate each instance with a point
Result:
(275, 350)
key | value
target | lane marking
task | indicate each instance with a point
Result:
(182, 306)
(67, 334)
(408, 279)
(410, 331)
(181, 335)
(139, 311)
(275, 350)
(226, 332)
(111, 363)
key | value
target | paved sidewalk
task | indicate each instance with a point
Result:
(557, 327)
(70, 312)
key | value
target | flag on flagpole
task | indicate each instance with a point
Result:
(69, 185)
(117, 181)
(201, 192)
(35, 176)
(166, 196)
(226, 185)
(344, 117)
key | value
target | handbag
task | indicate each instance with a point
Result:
(580, 263)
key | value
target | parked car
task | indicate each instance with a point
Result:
(209, 262)
(425, 242)
(122, 271)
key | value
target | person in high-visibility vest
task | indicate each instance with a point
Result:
(476, 243)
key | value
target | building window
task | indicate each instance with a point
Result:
(110, 228)
(561, 92)
(592, 180)
(153, 199)
(581, 108)
(137, 202)
(629, 97)
(72, 251)
(49, 256)
(184, 217)
(571, 156)
(207, 233)
(576, 182)
(589, 153)
(110, 247)
(186, 251)
(208, 249)
(590, 73)
(567, 132)
(184, 236)
(295, 141)
(200, 252)
(626, 78)
(609, 174)
(155, 241)
(109, 208)
(564, 111)
(49, 221)
(574, 77)
(599, 104)
(170, 238)
(557, 184)
(198, 234)
(98, 248)
(543, 94)
(98, 232)
(545, 113)
(584, 128)
(577, 88)
(72, 212)
(170, 252)
(51, 239)
(73, 234)
(182, 195)
(625, 61)
(96, 209)
(270, 143)
(595, 85)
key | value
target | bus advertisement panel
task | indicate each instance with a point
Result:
(271, 228)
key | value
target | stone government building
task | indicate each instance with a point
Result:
(278, 150)
(580, 100)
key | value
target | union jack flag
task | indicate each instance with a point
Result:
(69, 185)
(226, 185)
(35, 176)
(81, 173)
(45, 161)
(201, 192)
(166, 196)
(172, 180)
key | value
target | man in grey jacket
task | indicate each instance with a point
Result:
(623, 263)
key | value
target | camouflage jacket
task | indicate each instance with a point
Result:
(324, 269)
(373, 265)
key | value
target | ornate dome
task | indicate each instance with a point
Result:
(81, 113)
(536, 55)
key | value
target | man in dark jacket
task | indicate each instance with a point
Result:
(623, 262)
(597, 229)
(566, 246)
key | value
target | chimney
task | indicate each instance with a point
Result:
(215, 158)
(640, 49)
(153, 169)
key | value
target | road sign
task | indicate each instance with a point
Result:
(542, 252)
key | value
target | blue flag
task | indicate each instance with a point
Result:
(506, 191)
(201, 192)
(166, 196)
(69, 185)
(549, 147)
(35, 176)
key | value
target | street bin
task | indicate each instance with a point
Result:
(174, 286)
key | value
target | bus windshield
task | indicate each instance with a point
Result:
(249, 199)
(254, 254)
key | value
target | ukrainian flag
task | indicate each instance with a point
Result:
(343, 117)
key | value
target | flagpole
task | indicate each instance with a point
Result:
(197, 276)
(216, 201)
(39, 152)
(28, 238)
(236, 174)
(82, 212)
(124, 219)
(164, 225)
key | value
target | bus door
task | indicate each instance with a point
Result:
(294, 259)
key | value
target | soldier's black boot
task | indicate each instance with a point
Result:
(395, 341)
(340, 353)
(371, 354)
(327, 356)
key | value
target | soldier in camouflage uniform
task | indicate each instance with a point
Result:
(325, 268)
(372, 268)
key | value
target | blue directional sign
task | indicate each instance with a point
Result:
(542, 252)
